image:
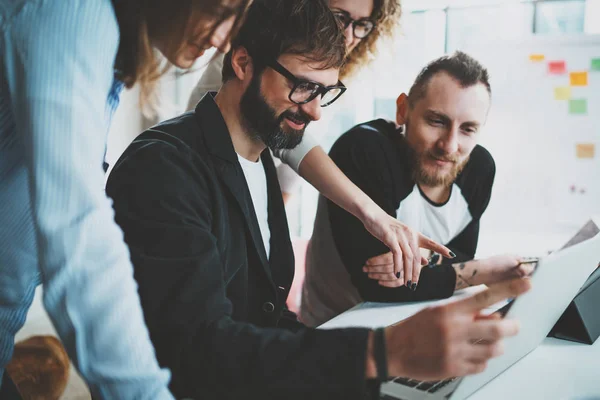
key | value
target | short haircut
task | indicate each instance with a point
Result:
(302, 27)
(462, 67)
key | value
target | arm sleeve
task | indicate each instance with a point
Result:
(58, 59)
(478, 184)
(293, 157)
(288, 179)
(183, 292)
(210, 81)
(464, 244)
(364, 156)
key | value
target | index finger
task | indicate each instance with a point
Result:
(494, 294)
(430, 244)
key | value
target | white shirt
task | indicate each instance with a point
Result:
(257, 184)
(440, 222)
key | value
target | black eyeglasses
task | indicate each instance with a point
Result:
(305, 91)
(360, 27)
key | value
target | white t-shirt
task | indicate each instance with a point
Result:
(440, 222)
(256, 179)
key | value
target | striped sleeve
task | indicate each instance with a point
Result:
(58, 58)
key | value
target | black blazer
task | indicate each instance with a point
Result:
(213, 303)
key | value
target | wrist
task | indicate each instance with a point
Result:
(377, 364)
(365, 209)
(466, 274)
(380, 354)
(397, 356)
(370, 367)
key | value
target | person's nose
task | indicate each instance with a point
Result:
(449, 142)
(313, 108)
(349, 35)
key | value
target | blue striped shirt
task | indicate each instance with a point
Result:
(57, 227)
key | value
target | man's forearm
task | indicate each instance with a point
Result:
(466, 273)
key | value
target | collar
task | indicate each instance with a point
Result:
(218, 138)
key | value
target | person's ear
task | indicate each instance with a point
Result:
(401, 109)
(241, 62)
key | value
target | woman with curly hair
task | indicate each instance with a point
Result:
(380, 24)
(365, 24)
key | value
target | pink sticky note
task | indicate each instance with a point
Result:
(557, 67)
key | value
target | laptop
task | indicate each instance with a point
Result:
(581, 257)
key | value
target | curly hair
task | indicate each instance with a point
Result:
(386, 15)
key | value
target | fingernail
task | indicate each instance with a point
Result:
(414, 286)
(409, 284)
(452, 255)
(398, 275)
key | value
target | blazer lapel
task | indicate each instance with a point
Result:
(282, 253)
(229, 171)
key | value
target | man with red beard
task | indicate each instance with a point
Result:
(429, 172)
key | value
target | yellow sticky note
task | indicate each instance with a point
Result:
(579, 78)
(562, 93)
(586, 150)
(536, 57)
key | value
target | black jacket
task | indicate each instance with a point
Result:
(213, 303)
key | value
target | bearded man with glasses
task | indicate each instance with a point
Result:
(199, 203)
(365, 23)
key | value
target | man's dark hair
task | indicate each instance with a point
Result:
(461, 66)
(303, 27)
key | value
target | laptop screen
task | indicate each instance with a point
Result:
(588, 231)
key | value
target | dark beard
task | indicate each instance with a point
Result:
(421, 176)
(263, 124)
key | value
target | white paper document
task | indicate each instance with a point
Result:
(375, 315)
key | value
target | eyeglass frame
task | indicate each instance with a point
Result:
(322, 89)
(354, 22)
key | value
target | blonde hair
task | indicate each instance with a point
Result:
(142, 24)
(386, 15)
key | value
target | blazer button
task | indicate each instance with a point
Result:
(268, 307)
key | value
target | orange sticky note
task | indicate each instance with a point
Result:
(557, 67)
(586, 150)
(579, 78)
(536, 57)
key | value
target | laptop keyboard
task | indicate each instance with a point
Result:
(430, 387)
